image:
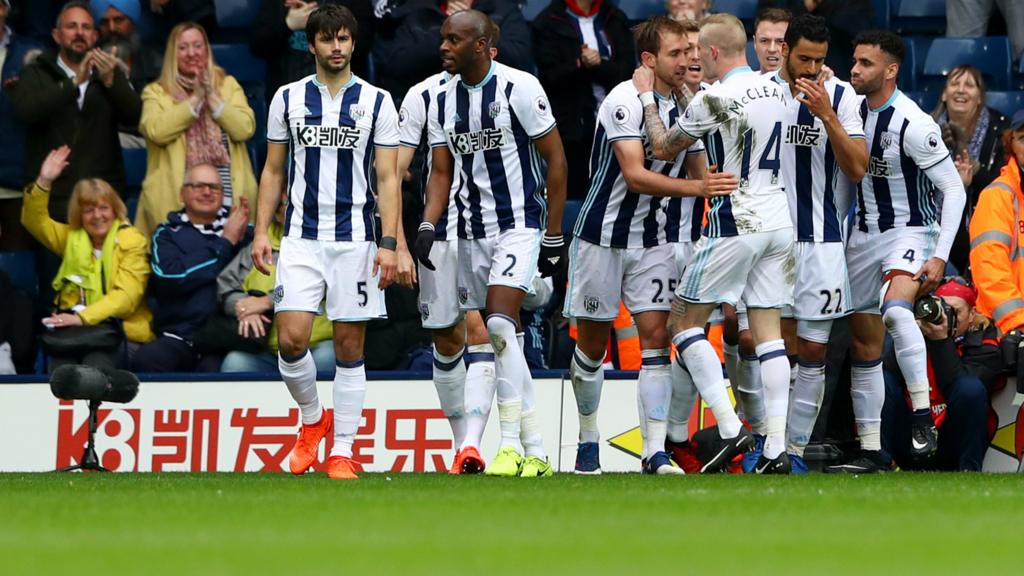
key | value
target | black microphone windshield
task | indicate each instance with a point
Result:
(123, 387)
(79, 382)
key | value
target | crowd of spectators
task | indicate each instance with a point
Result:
(79, 90)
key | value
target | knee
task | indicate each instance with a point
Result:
(449, 341)
(809, 351)
(970, 393)
(746, 341)
(290, 347)
(896, 312)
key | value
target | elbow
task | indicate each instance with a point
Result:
(663, 154)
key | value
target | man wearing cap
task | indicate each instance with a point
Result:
(963, 366)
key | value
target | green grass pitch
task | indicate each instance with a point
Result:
(898, 523)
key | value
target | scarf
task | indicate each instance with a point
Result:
(80, 271)
(575, 8)
(203, 139)
(216, 228)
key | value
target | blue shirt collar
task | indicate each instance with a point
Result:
(737, 70)
(895, 94)
(490, 73)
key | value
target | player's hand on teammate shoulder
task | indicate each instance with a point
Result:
(552, 254)
(718, 183)
(643, 79)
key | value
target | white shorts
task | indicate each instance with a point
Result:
(757, 268)
(822, 289)
(599, 276)
(438, 299)
(309, 269)
(508, 259)
(870, 256)
(683, 254)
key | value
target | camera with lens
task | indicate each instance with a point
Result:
(1011, 346)
(931, 308)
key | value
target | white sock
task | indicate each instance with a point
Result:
(751, 393)
(911, 354)
(450, 382)
(533, 441)
(731, 352)
(867, 387)
(775, 376)
(684, 396)
(480, 385)
(300, 378)
(655, 388)
(696, 352)
(511, 372)
(804, 405)
(349, 394)
(587, 381)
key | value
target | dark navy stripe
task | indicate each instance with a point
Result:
(624, 217)
(686, 343)
(352, 364)
(720, 219)
(494, 162)
(655, 361)
(697, 218)
(370, 204)
(582, 364)
(310, 200)
(474, 357)
(291, 166)
(911, 178)
(810, 364)
(897, 304)
(292, 359)
(651, 230)
(833, 229)
(769, 355)
(441, 228)
(476, 219)
(804, 169)
(604, 170)
(867, 363)
(343, 195)
(534, 204)
(883, 196)
(673, 219)
(447, 366)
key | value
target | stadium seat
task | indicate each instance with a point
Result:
(134, 168)
(745, 10)
(881, 14)
(991, 55)
(913, 62)
(919, 16)
(533, 7)
(642, 9)
(236, 13)
(926, 100)
(1005, 102)
(20, 265)
(239, 62)
(572, 211)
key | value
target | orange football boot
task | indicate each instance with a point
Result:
(469, 461)
(342, 468)
(304, 453)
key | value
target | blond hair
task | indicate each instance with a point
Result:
(169, 73)
(90, 192)
(725, 32)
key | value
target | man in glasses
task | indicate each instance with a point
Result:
(188, 252)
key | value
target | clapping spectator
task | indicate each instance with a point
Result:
(189, 251)
(245, 294)
(409, 38)
(194, 114)
(103, 272)
(583, 48)
(962, 104)
(76, 97)
(278, 35)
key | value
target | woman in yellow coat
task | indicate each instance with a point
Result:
(193, 114)
(104, 267)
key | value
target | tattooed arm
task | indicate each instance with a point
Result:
(666, 143)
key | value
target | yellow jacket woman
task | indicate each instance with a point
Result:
(105, 267)
(194, 113)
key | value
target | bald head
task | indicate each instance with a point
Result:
(473, 23)
(724, 32)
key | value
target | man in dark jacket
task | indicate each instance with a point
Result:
(583, 49)
(278, 35)
(409, 39)
(14, 49)
(962, 370)
(75, 97)
(188, 253)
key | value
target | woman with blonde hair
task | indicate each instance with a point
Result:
(102, 278)
(193, 114)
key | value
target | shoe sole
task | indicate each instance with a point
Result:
(472, 466)
(726, 454)
(588, 472)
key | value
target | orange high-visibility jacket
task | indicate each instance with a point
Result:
(997, 249)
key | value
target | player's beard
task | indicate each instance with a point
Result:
(866, 87)
(326, 64)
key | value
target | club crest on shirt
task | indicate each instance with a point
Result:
(590, 304)
(494, 110)
(278, 294)
(887, 139)
(357, 111)
(424, 310)
(463, 294)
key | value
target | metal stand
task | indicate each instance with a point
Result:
(89, 462)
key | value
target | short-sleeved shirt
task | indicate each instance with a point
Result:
(612, 216)
(740, 120)
(332, 141)
(412, 123)
(809, 167)
(489, 129)
(903, 142)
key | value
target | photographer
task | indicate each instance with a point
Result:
(964, 363)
